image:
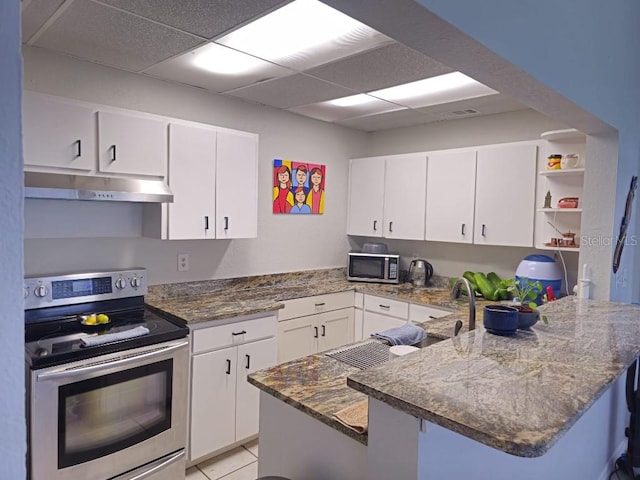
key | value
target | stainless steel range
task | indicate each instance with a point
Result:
(107, 380)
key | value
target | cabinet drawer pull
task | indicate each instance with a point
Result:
(78, 144)
(228, 372)
(375, 225)
(316, 334)
(390, 226)
(113, 153)
(226, 223)
(206, 222)
(238, 333)
(320, 304)
(432, 317)
(386, 307)
(463, 229)
(248, 362)
(484, 227)
(324, 331)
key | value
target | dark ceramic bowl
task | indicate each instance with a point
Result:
(527, 319)
(500, 319)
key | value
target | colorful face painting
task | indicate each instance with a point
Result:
(298, 187)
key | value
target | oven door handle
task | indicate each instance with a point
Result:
(155, 467)
(45, 376)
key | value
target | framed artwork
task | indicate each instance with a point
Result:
(298, 187)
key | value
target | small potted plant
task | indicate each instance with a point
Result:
(524, 292)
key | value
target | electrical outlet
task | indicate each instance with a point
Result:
(183, 262)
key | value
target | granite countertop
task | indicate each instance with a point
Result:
(518, 394)
(198, 302)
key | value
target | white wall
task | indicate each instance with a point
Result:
(12, 423)
(284, 243)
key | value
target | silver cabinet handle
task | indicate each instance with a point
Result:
(104, 365)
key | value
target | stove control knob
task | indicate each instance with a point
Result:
(41, 291)
(135, 282)
(121, 283)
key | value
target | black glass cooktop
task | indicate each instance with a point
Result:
(55, 335)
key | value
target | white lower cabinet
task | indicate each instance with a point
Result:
(314, 324)
(224, 406)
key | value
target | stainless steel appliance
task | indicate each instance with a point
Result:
(373, 267)
(105, 400)
(420, 272)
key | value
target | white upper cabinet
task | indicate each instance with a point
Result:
(58, 134)
(192, 171)
(405, 193)
(366, 197)
(451, 185)
(236, 185)
(132, 144)
(505, 195)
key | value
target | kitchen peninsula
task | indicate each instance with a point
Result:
(546, 403)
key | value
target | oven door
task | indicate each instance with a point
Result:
(107, 415)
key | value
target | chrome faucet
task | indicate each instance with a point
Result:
(456, 291)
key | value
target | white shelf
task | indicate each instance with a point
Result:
(567, 135)
(567, 172)
(562, 249)
(560, 210)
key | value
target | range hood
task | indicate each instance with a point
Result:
(84, 187)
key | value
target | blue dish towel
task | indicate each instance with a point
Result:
(407, 334)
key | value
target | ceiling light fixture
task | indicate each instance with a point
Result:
(218, 59)
(445, 88)
(303, 34)
(352, 100)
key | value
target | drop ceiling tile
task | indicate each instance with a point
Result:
(291, 91)
(35, 14)
(182, 69)
(330, 113)
(207, 18)
(385, 121)
(101, 34)
(497, 103)
(380, 68)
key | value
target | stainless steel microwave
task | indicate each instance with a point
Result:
(373, 267)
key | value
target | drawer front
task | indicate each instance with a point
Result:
(386, 306)
(221, 336)
(422, 313)
(376, 323)
(301, 307)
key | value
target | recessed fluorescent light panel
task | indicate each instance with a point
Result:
(304, 34)
(226, 61)
(446, 88)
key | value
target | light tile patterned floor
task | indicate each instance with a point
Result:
(238, 464)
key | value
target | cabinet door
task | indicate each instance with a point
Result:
(192, 166)
(213, 395)
(131, 144)
(376, 322)
(58, 134)
(366, 197)
(251, 357)
(336, 328)
(451, 185)
(236, 185)
(505, 195)
(297, 338)
(405, 189)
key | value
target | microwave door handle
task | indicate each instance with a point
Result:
(41, 377)
(155, 467)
